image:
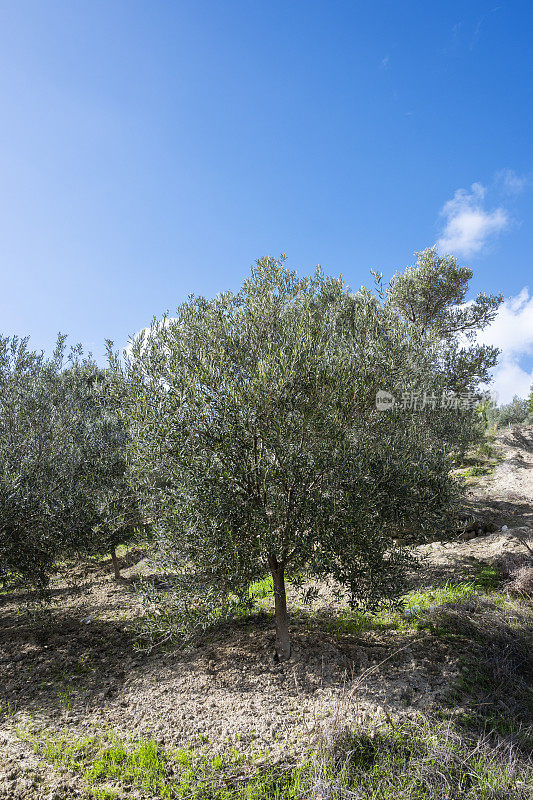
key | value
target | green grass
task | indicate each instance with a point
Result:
(476, 471)
(495, 646)
(414, 761)
(261, 589)
(480, 460)
(486, 579)
(412, 612)
(108, 765)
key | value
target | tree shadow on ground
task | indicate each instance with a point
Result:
(34, 596)
(496, 683)
(51, 660)
(514, 511)
(453, 568)
(160, 581)
(67, 662)
(519, 438)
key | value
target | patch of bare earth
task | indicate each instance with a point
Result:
(506, 495)
(78, 669)
(81, 669)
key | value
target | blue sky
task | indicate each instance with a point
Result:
(150, 150)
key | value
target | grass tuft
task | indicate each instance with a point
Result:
(418, 760)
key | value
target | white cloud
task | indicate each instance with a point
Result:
(511, 379)
(468, 224)
(512, 329)
(512, 332)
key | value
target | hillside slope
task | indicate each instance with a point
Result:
(461, 650)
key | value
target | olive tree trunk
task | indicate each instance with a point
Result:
(283, 642)
(114, 559)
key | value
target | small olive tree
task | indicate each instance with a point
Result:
(45, 445)
(120, 519)
(255, 439)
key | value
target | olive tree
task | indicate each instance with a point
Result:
(513, 413)
(256, 441)
(62, 468)
(431, 295)
(120, 519)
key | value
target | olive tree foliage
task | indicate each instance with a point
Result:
(257, 446)
(431, 295)
(120, 519)
(61, 460)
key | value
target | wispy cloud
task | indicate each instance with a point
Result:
(512, 332)
(385, 62)
(468, 224)
(510, 182)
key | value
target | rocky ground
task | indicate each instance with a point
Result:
(77, 667)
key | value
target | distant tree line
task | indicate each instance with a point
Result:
(518, 412)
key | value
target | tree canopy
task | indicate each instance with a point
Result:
(255, 439)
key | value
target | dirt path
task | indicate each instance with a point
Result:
(507, 494)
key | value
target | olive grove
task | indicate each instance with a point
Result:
(248, 433)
